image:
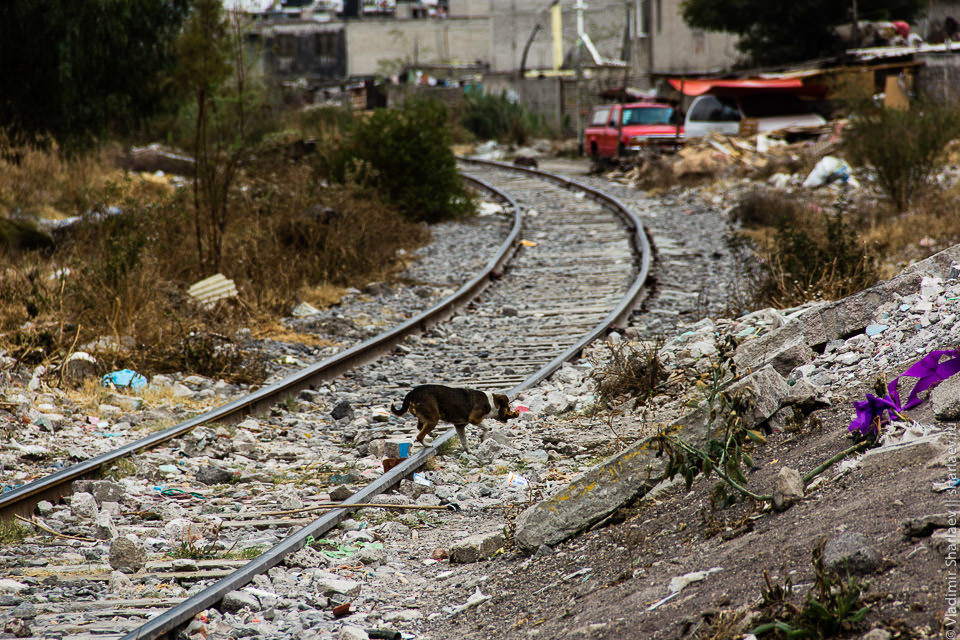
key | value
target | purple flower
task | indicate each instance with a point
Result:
(929, 372)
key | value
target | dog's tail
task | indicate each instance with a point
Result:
(403, 407)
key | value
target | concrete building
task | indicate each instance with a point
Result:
(296, 48)
(500, 35)
(492, 32)
(669, 47)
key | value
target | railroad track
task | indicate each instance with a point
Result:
(577, 270)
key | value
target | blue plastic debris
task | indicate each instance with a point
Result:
(124, 378)
(875, 329)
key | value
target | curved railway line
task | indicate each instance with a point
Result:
(572, 266)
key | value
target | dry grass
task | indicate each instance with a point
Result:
(39, 182)
(800, 257)
(323, 295)
(162, 396)
(90, 394)
(327, 239)
(626, 369)
(792, 253)
(762, 207)
(930, 226)
(281, 333)
(123, 277)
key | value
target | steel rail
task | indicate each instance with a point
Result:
(168, 623)
(23, 499)
(630, 300)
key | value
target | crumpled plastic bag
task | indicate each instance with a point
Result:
(124, 378)
(829, 169)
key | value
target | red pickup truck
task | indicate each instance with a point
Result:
(620, 129)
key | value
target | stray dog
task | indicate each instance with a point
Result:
(525, 161)
(431, 403)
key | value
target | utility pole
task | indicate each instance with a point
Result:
(855, 31)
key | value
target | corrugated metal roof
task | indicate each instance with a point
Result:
(880, 53)
(209, 290)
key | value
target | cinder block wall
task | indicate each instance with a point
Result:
(939, 78)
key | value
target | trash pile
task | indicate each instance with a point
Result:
(726, 156)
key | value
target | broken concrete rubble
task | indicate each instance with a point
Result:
(127, 554)
(783, 356)
(633, 472)
(922, 527)
(475, 548)
(920, 451)
(851, 553)
(946, 400)
(784, 347)
(788, 490)
(591, 497)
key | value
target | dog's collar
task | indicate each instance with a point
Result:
(493, 405)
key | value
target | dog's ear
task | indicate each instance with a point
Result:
(503, 407)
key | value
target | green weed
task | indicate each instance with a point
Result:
(248, 553)
(724, 451)
(196, 547)
(495, 117)
(12, 532)
(448, 447)
(118, 469)
(832, 606)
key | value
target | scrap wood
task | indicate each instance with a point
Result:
(44, 527)
(338, 505)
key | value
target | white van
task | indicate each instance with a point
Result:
(771, 111)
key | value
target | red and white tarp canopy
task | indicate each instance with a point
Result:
(696, 87)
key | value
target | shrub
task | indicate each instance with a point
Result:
(764, 207)
(38, 178)
(496, 117)
(810, 254)
(124, 271)
(341, 235)
(905, 147)
(818, 256)
(627, 369)
(405, 154)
